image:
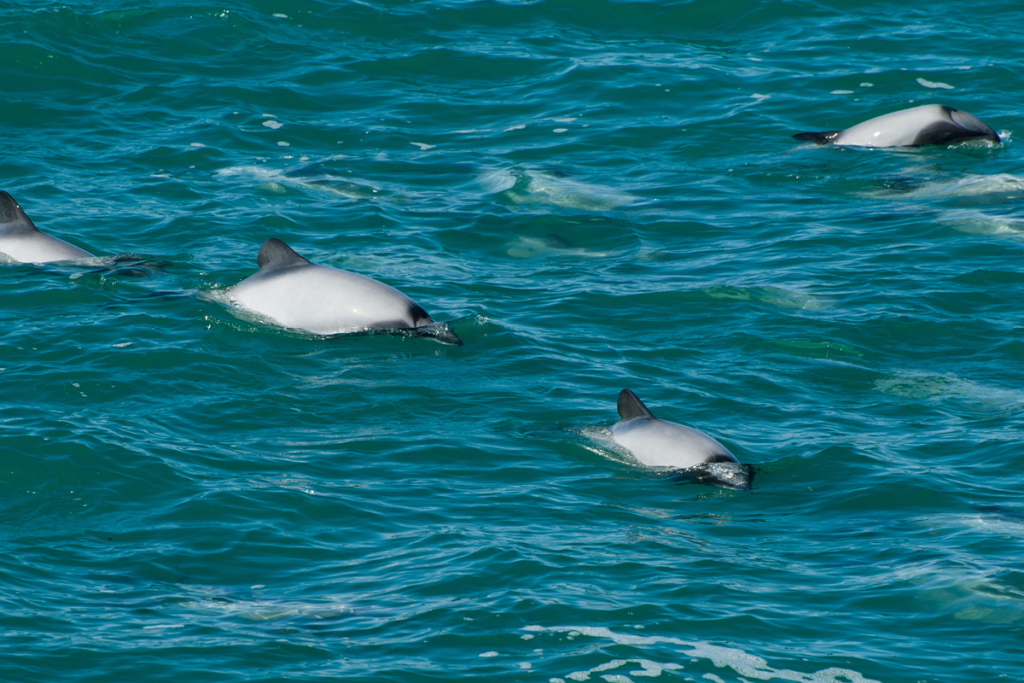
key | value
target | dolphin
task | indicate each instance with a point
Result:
(22, 242)
(301, 295)
(929, 124)
(658, 443)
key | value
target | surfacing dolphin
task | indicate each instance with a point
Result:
(929, 124)
(658, 443)
(301, 295)
(21, 241)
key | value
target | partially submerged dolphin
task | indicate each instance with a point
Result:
(658, 443)
(301, 295)
(929, 124)
(21, 240)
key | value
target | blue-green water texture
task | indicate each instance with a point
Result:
(594, 195)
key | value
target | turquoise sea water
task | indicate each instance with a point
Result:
(596, 195)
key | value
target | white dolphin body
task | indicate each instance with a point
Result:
(21, 241)
(300, 295)
(929, 124)
(658, 443)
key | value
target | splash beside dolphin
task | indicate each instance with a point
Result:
(658, 443)
(21, 240)
(300, 295)
(929, 124)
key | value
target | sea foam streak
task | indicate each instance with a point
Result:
(745, 665)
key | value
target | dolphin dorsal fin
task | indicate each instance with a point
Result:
(631, 407)
(12, 219)
(276, 254)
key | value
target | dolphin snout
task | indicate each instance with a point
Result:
(730, 475)
(439, 331)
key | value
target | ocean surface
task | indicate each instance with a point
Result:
(593, 195)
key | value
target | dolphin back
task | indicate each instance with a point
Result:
(297, 294)
(13, 220)
(928, 124)
(630, 406)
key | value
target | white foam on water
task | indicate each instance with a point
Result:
(602, 444)
(935, 84)
(842, 92)
(90, 261)
(745, 665)
(648, 668)
(423, 146)
(273, 124)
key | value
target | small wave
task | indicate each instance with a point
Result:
(995, 522)
(980, 223)
(971, 185)
(527, 187)
(598, 440)
(914, 384)
(308, 179)
(269, 609)
(771, 296)
(552, 245)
